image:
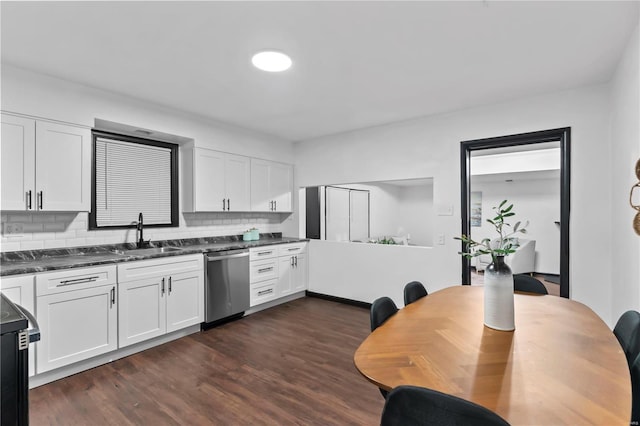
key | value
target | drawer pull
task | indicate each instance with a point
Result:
(294, 249)
(262, 253)
(270, 268)
(263, 292)
(79, 280)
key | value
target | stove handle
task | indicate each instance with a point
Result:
(34, 331)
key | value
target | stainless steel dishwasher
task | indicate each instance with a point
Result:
(226, 285)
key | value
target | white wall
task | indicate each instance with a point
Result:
(430, 147)
(534, 200)
(625, 140)
(364, 272)
(46, 97)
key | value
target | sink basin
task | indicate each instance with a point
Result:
(147, 251)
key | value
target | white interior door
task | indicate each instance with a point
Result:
(337, 218)
(359, 218)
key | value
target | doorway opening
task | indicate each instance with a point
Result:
(470, 149)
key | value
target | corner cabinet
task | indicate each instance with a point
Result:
(215, 181)
(45, 165)
(159, 296)
(271, 186)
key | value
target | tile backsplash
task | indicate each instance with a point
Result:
(41, 230)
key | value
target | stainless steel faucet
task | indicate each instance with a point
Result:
(139, 230)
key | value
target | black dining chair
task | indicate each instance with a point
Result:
(528, 284)
(382, 309)
(416, 406)
(414, 291)
(627, 331)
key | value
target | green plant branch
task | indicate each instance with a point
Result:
(506, 243)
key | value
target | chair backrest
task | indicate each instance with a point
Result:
(381, 309)
(415, 406)
(413, 291)
(528, 284)
(627, 331)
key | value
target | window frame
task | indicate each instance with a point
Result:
(174, 149)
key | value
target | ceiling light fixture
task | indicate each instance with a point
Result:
(271, 61)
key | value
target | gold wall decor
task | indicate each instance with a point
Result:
(636, 219)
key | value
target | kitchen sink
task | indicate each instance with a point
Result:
(147, 251)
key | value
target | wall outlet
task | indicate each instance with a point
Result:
(440, 239)
(13, 228)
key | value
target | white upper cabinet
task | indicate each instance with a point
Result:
(18, 162)
(215, 181)
(271, 186)
(45, 166)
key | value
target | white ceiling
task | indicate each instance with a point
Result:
(356, 64)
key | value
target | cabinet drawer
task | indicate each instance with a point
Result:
(263, 293)
(263, 253)
(74, 279)
(263, 270)
(137, 270)
(287, 249)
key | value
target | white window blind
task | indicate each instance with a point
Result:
(132, 178)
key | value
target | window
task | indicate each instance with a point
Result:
(132, 176)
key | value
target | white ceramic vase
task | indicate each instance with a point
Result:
(498, 296)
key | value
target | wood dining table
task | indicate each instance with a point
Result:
(561, 365)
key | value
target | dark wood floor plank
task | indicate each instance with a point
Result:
(289, 365)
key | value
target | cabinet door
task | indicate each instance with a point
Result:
(63, 167)
(285, 271)
(20, 290)
(299, 275)
(142, 311)
(260, 194)
(238, 183)
(280, 181)
(185, 302)
(76, 325)
(17, 158)
(209, 190)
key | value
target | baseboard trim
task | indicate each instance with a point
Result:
(352, 302)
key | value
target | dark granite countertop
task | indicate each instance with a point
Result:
(33, 261)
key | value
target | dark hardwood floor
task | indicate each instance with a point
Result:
(288, 365)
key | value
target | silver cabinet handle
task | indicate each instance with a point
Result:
(228, 204)
(169, 285)
(40, 200)
(113, 296)
(294, 249)
(262, 253)
(292, 261)
(275, 205)
(296, 262)
(79, 280)
(263, 292)
(28, 200)
(270, 268)
(162, 288)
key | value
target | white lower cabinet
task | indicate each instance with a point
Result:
(159, 296)
(292, 268)
(277, 271)
(76, 310)
(20, 290)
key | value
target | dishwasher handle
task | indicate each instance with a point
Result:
(229, 254)
(34, 331)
